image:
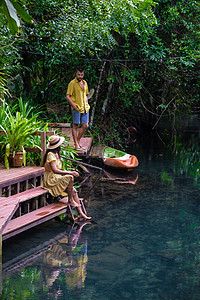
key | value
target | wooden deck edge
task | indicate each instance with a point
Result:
(9, 218)
(37, 219)
(21, 177)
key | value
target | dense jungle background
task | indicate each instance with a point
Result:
(141, 57)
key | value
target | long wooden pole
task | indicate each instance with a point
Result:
(0, 264)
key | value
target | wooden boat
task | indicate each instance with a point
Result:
(119, 160)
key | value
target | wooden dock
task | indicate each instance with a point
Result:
(23, 203)
(65, 128)
(86, 142)
(13, 181)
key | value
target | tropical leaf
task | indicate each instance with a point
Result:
(22, 12)
(12, 12)
(13, 21)
(11, 9)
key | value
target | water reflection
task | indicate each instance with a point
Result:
(63, 258)
(121, 177)
(69, 255)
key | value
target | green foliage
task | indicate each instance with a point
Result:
(130, 86)
(187, 158)
(11, 9)
(151, 59)
(26, 110)
(172, 49)
(86, 27)
(35, 157)
(17, 129)
(165, 178)
(9, 58)
(68, 152)
(4, 113)
(65, 33)
(22, 288)
(3, 88)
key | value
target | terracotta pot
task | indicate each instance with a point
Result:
(17, 160)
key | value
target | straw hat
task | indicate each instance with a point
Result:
(55, 141)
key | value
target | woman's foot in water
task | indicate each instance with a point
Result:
(82, 215)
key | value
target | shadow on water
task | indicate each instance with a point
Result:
(145, 244)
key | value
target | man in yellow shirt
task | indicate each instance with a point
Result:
(77, 92)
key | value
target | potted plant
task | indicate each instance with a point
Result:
(17, 130)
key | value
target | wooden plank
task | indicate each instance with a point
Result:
(48, 133)
(15, 175)
(34, 218)
(37, 133)
(29, 194)
(59, 125)
(32, 149)
(98, 151)
(67, 131)
(86, 142)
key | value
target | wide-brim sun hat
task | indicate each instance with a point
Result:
(55, 141)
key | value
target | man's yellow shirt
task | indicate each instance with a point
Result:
(78, 95)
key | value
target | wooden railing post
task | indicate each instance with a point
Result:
(43, 144)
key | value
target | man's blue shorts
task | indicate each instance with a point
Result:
(78, 118)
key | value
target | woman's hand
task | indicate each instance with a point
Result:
(75, 174)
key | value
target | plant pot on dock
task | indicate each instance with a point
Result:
(17, 160)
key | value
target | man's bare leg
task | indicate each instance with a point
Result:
(75, 136)
(81, 133)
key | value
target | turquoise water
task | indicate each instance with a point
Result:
(145, 245)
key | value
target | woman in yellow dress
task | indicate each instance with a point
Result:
(57, 181)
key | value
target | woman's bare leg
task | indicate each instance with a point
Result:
(70, 191)
(74, 200)
(75, 196)
(79, 209)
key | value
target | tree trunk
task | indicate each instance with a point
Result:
(107, 98)
(26, 73)
(97, 93)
